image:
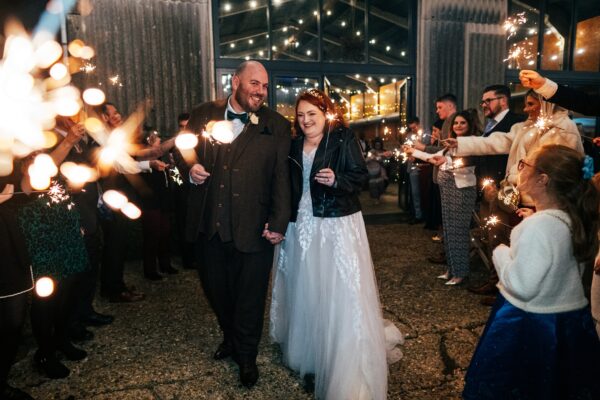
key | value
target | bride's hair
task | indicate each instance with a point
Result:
(320, 100)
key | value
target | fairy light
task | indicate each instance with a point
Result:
(131, 211)
(114, 199)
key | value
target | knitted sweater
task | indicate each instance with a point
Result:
(538, 273)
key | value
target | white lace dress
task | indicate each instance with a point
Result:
(325, 310)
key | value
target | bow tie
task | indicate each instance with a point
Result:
(242, 117)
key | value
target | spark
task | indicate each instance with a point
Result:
(511, 25)
(486, 182)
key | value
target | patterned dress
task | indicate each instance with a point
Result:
(51, 226)
(325, 308)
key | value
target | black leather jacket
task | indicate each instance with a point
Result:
(344, 157)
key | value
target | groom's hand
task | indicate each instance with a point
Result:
(272, 237)
(198, 174)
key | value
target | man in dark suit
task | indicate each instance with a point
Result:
(499, 118)
(564, 96)
(238, 208)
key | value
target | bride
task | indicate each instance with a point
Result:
(325, 310)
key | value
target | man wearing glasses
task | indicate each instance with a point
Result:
(499, 118)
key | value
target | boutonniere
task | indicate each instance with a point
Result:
(253, 119)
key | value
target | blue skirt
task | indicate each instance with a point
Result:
(524, 355)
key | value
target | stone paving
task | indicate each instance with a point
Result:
(161, 348)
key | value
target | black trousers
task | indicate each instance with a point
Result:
(52, 315)
(236, 284)
(89, 281)
(12, 317)
(116, 244)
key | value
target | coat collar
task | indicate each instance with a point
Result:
(327, 147)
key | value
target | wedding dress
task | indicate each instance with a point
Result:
(325, 310)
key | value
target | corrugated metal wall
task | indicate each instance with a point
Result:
(460, 50)
(156, 49)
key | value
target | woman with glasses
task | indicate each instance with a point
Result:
(456, 179)
(539, 341)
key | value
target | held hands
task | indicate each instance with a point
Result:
(407, 149)
(419, 146)
(325, 177)
(198, 174)
(272, 237)
(531, 79)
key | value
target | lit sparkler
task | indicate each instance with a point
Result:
(512, 24)
(44, 286)
(493, 221)
(57, 194)
(486, 182)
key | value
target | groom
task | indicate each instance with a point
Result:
(238, 208)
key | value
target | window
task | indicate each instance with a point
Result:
(344, 34)
(557, 34)
(587, 37)
(243, 30)
(287, 89)
(389, 32)
(523, 43)
(295, 30)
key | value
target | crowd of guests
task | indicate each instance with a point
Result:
(301, 216)
(68, 234)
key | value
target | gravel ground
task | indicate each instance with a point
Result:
(161, 348)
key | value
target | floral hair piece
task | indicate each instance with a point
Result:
(588, 168)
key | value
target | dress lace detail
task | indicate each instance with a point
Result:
(325, 310)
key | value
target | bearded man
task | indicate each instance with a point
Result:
(238, 209)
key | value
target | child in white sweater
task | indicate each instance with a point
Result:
(540, 341)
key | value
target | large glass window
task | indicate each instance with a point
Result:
(557, 33)
(243, 29)
(587, 37)
(388, 32)
(343, 31)
(295, 30)
(523, 43)
(287, 89)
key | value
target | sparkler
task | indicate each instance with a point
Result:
(512, 24)
(486, 182)
(57, 194)
(493, 220)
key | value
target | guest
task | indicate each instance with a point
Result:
(83, 151)
(414, 170)
(433, 220)
(117, 227)
(445, 108)
(179, 193)
(457, 187)
(378, 177)
(155, 202)
(540, 342)
(325, 310)
(16, 282)
(52, 229)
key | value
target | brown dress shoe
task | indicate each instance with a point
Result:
(126, 297)
(487, 289)
(488, 301)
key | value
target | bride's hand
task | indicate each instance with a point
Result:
(326, 177)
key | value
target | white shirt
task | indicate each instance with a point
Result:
(538, 272)
(238, 125)
(500, 116)
(548, 89)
